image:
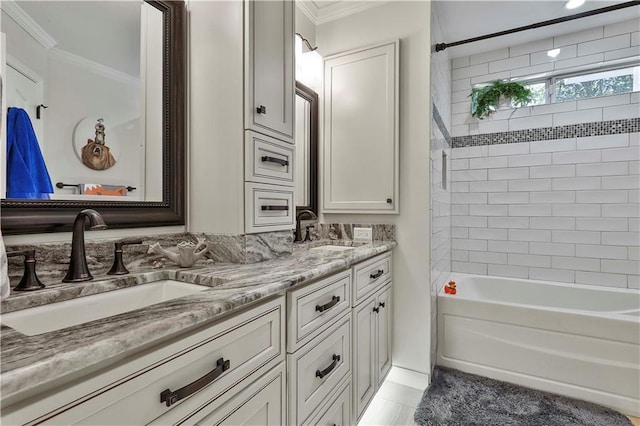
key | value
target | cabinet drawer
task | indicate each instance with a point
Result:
(317, 369)
(267, 160)
(251, 342)
(337, 411)
(268, 208)
(315, 307)
(369, 275)
(260, 403)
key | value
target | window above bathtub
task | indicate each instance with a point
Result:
(577, 85)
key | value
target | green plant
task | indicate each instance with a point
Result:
(485, 100)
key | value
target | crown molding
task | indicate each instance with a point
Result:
(95, 67)
(27, 23)
(309, 10)
(322, 15)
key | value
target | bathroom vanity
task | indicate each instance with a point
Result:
(277, 342)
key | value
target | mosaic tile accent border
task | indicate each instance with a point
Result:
(440, 123)
(600, 128)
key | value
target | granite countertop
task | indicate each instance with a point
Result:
(30, 361)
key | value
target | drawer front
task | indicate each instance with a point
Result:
(368, 276)
(315, 307)
(268, 208)
(253, 344)
(317, 369)
(337, 411)
(268, 160)
(261, 403)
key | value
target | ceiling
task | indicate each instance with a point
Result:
(465, 19)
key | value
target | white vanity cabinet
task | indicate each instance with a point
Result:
(269, 68)
(318, 346)
(372, 329)
(269, 115)
(172, 381)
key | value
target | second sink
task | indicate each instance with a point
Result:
(56, 316)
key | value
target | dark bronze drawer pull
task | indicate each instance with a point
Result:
(381, 304)
(377, 274)
(376, 309)
(275, 208)
(334, 301)
(280, 161)
(171, 398)
(329, 369)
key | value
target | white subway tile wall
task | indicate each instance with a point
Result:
(617, 41)
(563, 210)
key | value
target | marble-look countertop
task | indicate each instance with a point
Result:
(30, 361)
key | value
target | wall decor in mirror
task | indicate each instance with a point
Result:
(94, 101)
(306, 141)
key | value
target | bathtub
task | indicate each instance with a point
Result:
(570, 339)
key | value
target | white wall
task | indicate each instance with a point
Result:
(565, 209)
(561, 210)
(407, 21)
(611, 44)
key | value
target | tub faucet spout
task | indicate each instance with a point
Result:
(78, 269)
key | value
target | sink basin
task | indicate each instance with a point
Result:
(56, 316)
(331, 248)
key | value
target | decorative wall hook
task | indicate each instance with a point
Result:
(38, 108)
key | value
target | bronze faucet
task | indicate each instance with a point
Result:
(298, 233)
(30, 280)
(78, 269)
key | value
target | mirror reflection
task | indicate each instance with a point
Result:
(306, 141)
(82, 100)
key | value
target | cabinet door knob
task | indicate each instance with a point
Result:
(376, 309)
(261, 109)
(389, 201)
(381, 304)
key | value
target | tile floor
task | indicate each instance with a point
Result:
(395, 403)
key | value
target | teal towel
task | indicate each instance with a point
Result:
(27, 174)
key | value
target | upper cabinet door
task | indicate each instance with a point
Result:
(269, 76)
(361, 131)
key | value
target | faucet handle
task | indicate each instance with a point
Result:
(30, 280)
(118, 267)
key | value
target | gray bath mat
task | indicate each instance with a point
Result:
(455, 398)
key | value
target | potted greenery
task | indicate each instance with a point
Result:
(485, 100)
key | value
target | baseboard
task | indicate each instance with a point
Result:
(410, 378)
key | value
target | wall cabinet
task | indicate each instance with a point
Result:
(269, 73)
(269, 115)
(361, 147)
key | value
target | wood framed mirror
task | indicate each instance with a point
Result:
(306, 141)
(167, 207)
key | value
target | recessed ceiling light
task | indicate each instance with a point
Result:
(553, 53)
(574, 4)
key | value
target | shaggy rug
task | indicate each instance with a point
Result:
(455, 398)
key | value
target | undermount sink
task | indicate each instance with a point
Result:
(56, 316)
(332, 248)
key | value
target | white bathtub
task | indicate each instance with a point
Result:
(574, 340)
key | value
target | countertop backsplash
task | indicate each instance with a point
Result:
(53, 258)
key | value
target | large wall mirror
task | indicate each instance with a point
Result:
(306, 140)
(93, 113)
